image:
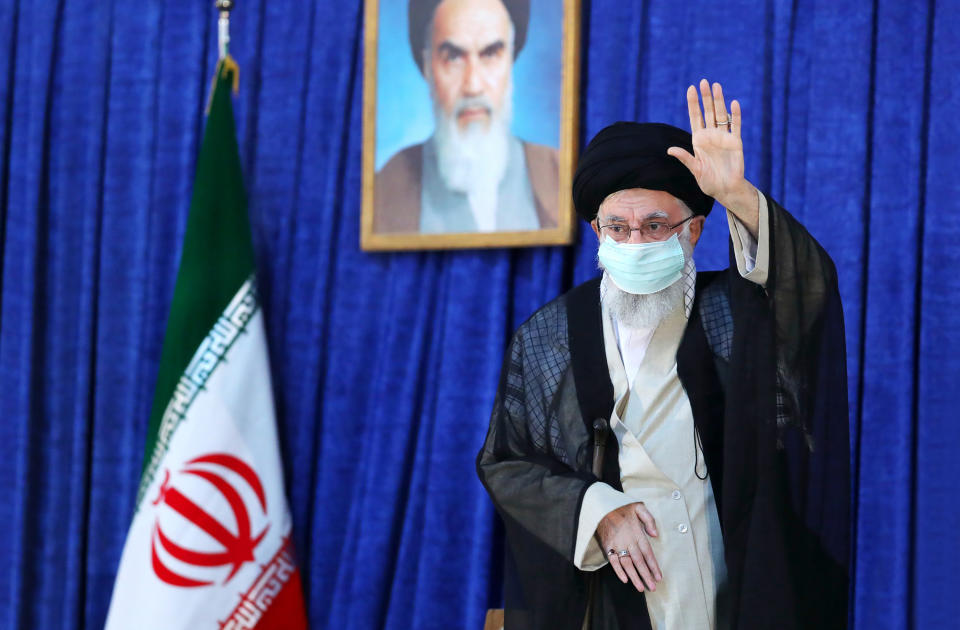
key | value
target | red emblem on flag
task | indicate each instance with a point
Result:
(237, 547)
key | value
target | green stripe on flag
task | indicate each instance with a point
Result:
(216, 261)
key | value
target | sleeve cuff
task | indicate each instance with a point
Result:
(753, 256)
(599, 500)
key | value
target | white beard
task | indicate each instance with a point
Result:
(648, 311)
(474, 160)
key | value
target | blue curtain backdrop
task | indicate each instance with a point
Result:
(385, 364)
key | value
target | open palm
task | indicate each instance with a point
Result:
(717, 160)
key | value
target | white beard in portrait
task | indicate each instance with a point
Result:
(473, 160)
(647, 311)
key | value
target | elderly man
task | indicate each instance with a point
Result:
(669, 448)
(472, 175)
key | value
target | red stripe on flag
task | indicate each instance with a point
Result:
(275, 600)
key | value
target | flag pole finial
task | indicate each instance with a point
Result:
(223, 24)
(225, 63)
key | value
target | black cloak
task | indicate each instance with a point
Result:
(765, 372)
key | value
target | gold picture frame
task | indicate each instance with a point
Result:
(373, 237)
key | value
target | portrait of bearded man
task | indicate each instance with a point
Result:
(472, 175)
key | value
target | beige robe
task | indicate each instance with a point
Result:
(653, 423)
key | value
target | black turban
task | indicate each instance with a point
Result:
(634, 155)
(420, 15)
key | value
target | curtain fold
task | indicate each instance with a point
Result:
(385, 364)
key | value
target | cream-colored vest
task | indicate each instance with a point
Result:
(653, 423)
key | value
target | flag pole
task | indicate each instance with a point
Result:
(225, 63)
(223, 26)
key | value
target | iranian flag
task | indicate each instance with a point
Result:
(209, 545)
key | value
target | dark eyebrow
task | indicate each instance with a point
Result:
(491, 49)
(450, 50)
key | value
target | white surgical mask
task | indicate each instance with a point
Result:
(642, 268)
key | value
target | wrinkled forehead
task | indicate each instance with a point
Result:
(637, 204)
(470, 23)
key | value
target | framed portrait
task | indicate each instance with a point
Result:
(469, 123)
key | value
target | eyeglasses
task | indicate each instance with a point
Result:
(650, 230)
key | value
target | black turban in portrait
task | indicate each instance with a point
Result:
(634, 155)
(420, 15)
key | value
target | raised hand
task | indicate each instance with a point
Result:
(626, 529)
(717, 160)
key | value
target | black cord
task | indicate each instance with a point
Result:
(696, 455)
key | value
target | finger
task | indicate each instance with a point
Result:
(615, 563)
(685, 158)
(646, 551)
(719, 107)
(735, 117)
(643, 569)
(647, 519)
(709, 115)
(693, 109)
(631, 572)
